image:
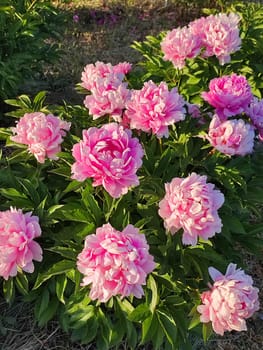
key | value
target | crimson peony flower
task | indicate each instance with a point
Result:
(17, 245)
(180, 44)
(230, 95)
(232, 137)
(115, 262)
(109, 155)
(230, 300)
(153, 108)
(191, 204)
(42, 133)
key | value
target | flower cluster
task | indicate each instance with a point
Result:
(231, 95)
(108, 91)
(17, 245)
(230, 301)
(153, 108)
(115, 262)
(42, 133)
(109, 155)
(215, 35)
(191, 204)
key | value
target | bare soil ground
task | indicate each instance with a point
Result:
(105, 30)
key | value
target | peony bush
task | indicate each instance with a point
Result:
(117, 216)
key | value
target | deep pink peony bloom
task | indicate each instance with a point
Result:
(219, 35)
(232, 137)
(42, 133)
(230, 95)
(154, 107)
(109, 97)
(180, 44)
(99, 70)
(255, 112)
(230, 301)
(115, 262)
(191, 204)
(109, 155)
(17, 245)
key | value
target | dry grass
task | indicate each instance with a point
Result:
(105, 32)
(98, 36)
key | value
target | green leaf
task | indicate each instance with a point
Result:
(66, 252)
(149, 327)
(168, 326)
(71, 212)
(61, 283)
(194, 321)
(234, 224)
(9, 290)
(207, 331)
(92, 205)
(151, 284)
(30, 190)
(48, 313)
(140, 313)
(43, 302)
(59, 268)
(21, 283)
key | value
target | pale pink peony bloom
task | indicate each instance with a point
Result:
(230, 301)
(230, 95)
(115, 262)
(191, 204)
(17, 245)
(122, 67)
(255, 112)
(42, 133)
(219, 35)
(100, 70)
(109, 155)
(108, 97)
(232, 137)
(154, 108)
(180, 44)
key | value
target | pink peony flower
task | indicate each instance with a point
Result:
(219, 35)
(122, 68)
(230, 301)
(180, 44)
(110, 156)
(255, 112)
(42, 133)
(108, 97)
(154, 107)
(115, 262)
(232, 137)
(101, 70)
(191, 204)
(17, 245)
(230, 95)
